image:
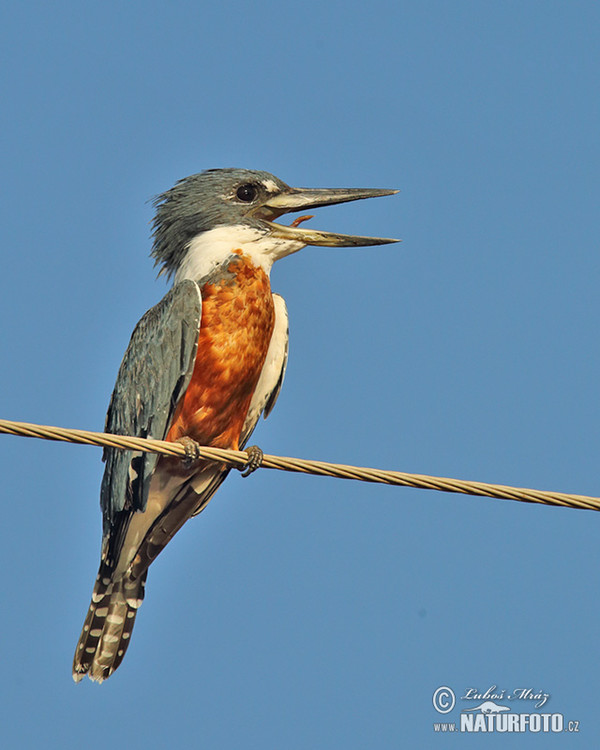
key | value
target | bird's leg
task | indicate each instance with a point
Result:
(255, 459)
(192, 450)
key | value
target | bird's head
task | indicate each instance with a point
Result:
(239, 206)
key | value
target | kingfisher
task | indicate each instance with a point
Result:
(201, 367)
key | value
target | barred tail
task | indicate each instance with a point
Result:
(108, 625)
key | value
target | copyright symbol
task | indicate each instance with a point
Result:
(444, 700)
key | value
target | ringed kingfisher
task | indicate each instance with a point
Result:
(201, 367)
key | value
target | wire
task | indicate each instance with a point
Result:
(238, 459)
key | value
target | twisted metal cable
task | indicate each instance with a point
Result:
(304, 466)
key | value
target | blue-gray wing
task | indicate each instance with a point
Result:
(155, 372)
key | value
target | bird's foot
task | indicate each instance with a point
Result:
(192, 451)
(255, 459)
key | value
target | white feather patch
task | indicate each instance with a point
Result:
(273, 368)
(209, 250)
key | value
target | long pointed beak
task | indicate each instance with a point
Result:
(300, 199)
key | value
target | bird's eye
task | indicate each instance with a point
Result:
(246, 193)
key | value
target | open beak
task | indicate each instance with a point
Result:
(300, 199)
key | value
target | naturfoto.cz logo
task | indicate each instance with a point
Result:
(490, 711)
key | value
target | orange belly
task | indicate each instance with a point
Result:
(236, 327)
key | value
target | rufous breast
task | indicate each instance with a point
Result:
(235, 331)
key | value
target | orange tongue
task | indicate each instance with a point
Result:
(300, 219)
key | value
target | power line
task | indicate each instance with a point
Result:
(304, 466)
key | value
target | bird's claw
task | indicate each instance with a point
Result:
(192, 451)
(255, 459)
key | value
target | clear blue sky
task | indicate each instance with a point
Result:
(299, 612)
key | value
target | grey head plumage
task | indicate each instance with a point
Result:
(204, 201)
(232, 196)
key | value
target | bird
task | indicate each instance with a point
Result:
(201, 367)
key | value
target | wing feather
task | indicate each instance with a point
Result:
(154, 374)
